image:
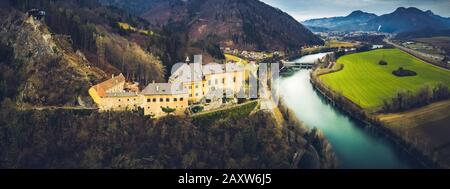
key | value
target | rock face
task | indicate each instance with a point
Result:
(249, 24)
(45, 72)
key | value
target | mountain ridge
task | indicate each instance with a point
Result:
(407, 19)
(248, 25)
(400, 20)
(351, 21)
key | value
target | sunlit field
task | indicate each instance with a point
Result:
(367, 83)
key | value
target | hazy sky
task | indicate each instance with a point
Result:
(307, 9)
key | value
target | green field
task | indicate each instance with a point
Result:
(238, 111)
(367, 83)
(233, 58)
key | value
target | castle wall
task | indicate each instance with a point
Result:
(153, 103)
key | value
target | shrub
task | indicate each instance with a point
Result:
(167, 110)
(401, 72)
(383, 63)
(197, 109)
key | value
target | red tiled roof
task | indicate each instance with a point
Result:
(104, 86)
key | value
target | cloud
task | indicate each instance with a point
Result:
(307, 9)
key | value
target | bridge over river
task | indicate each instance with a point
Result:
(306, 62)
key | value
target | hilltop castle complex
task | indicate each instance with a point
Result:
(189, 84)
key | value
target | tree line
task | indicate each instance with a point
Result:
(406, 100)
(88, 139)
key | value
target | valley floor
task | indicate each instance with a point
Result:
(427, 128)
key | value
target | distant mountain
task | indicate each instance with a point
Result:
(353, 21)
(408, 19)
(249, 24)
(399, 21)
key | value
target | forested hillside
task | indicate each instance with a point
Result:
(206, 25)
(37, 67)
(85, 139)
(52, 51)
(53, 60)
(86, 22)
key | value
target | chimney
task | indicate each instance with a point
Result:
(157, 88)
(112, 76)
(153, 81)
(198, 59)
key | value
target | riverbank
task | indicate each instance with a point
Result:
(318, 151)
(369, 119)
(355, 145)
(426, 128)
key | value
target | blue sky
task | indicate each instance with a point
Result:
(307, 9)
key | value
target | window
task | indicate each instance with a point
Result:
(161, 100)
(175, 99)
(181, 99)
(223, 80)
(190, 95)
(167, 99)
(216, 81)
(128, 100)
(196, 86)
(120, 106)
(209, 82)
(203, 85)
(154, 100)
(196, 94)
(119, 99)
(234, 79)
(148, 100)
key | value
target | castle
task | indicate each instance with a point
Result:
(189, 84)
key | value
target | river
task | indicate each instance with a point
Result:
(355, 145)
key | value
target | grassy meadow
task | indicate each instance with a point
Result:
(368, 84)
(336, 43)
(233, 58)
